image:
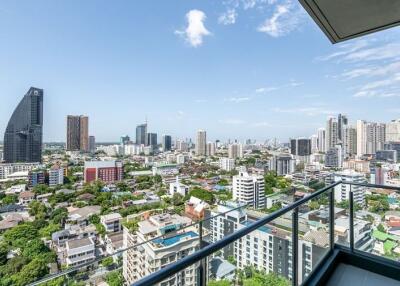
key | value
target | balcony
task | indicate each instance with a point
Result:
(335, 242)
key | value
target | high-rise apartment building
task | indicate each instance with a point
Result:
(342, 123)
(342, 191)
(227, 164)
(393, 131)
(92, 144)
(393, 146)
(125, 140)
(370, 137)
(282, 164)
(77, 133)
(300, 147)
(152, 139)
(249, 189)
(334, 157)
(235, 151)
(349, 141)
(182, 146)
(321, 140)
(211, 148)
(24, 133)
(106, 171)
(201, 143)
(166, 143)
(177, 242)
(314, 143)
(56, 176)
(331, 133)
(141, 134)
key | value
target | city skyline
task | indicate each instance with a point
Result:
(255, 85)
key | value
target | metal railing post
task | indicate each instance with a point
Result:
(351, 219)
(295, 246)
(203, 264)
(332, 218)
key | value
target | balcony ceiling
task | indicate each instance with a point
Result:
(341, 20)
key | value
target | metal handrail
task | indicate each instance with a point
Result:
(98, 259)
(180, 265)
(201, 254)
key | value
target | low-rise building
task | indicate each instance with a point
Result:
(79, 251)
(111, 222)
(26, 197)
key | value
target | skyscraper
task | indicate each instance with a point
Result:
(24, 133)
(321, 140)
(331, 134)
(349, 139)
(141, 134)
(92, 144)
(393, 131)
(342, 123)
(152, 139)
(201, 143)
(370, 137)
(300, 147)
(77, 133)
(166, 142)
(235, 150)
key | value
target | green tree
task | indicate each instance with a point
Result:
(381, 228)
(31, 272)
(219, 283)
(20, 234)
(201, 194)
(3, 253)
(37, 209)
(115, 279)
(107, 262)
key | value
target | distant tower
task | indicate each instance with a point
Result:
(77, 133)
(24, 133)
(201, 145)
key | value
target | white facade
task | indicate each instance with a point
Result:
(249, 189)
(79, 251)
(349, 141)
(201, 143)
(211, 147)
(314, 143)
(371, 137)
(342, 191)
(226, 164)
(178, 188)
(56, 176)
(235, 151)
(321, 140)
(153, 256)
(7, 169)
(331, 134)
(393, 131)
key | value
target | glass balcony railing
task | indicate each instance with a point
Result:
(236, 245)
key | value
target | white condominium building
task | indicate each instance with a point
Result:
(249, 189)
(235, 151)
(342, 191)
(201, 143)
(226, 164)
(175, 244)
(371, 137)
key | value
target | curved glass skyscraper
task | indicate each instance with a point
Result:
(23, 136)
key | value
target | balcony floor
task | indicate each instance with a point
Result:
(346, 274)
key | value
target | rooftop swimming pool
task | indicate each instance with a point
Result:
(174, 239)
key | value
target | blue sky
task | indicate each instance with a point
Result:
(237, 68)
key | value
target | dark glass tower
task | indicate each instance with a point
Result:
(23, 136)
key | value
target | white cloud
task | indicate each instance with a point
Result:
(232, 121)
(238, 99)
(372, 71)
(200, 100)
(195, 30)
(309, 111)
(262, 124)
(228, 18)
(266, 89)
(286, 18)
